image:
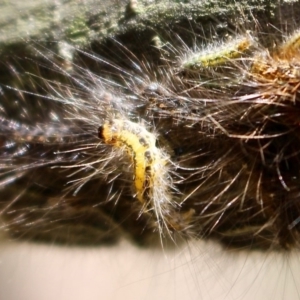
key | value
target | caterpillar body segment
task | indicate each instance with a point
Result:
(152, 182)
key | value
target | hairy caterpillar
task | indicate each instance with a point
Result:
(141, 147)
(150, 174)
(219, 54)
(151, 179)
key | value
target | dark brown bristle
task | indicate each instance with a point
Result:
(100, 132)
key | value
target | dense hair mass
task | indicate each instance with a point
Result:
(200, 144)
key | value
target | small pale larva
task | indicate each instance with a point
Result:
(218, 55)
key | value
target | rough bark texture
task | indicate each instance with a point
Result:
(84, 21)
(134, 23)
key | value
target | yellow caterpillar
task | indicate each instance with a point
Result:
(140, 145)
(150, 171)
(152, 182)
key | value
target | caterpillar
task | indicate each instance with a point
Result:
(150, 173)
(152, 180)
(219, 54)
(141, 147)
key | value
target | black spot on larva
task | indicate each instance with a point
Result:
(143, 142)
(100, 132)
(146, 183)
(148, 157)
(148, 170)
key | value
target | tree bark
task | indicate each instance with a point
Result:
(82, 22)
